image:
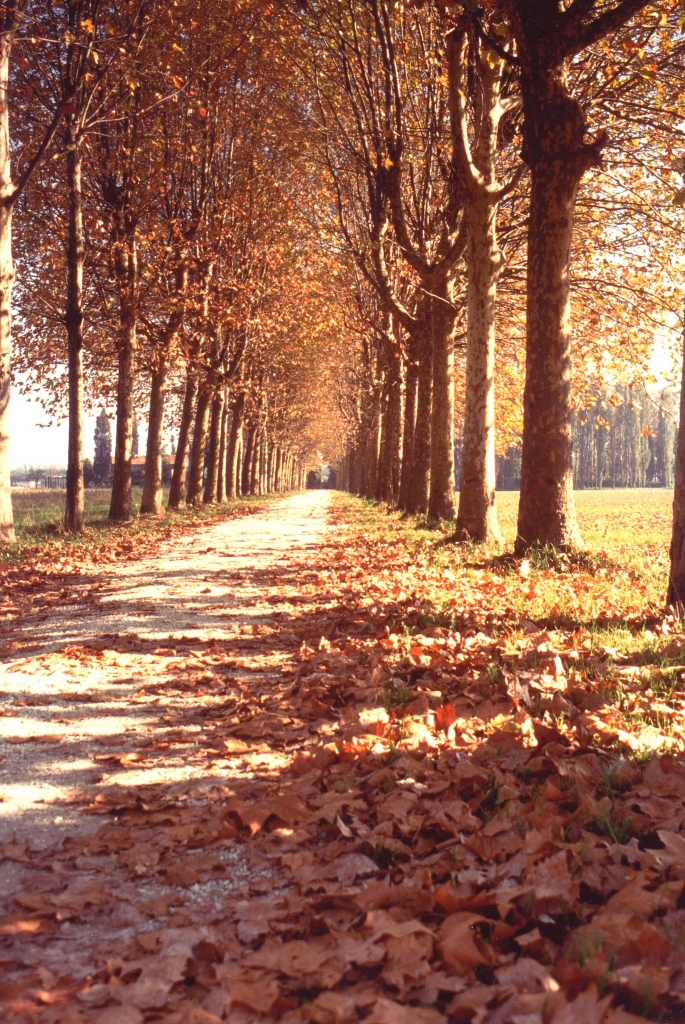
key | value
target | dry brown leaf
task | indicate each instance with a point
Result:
(387, 1012)
(460, 947)
(261, 996)
(586, 1008)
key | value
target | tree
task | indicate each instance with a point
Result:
(134, 438)
(675, 596)
(556, 150)
(102, 459)
(12, 14)
(475, 165)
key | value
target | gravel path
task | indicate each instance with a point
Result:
(79, 695)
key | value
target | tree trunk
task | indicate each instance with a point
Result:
(153, 491)
(373, 423)
(263, 483)
(223, 444)
(277, 471)
(254, 464)
(238, 475)
(419, 483)
(121, 502)
(676, 582)
(546, 507)
(411, 383)
(7, 534)
(362, 447)
(197, 452)
(247, 461)
(233, 453)
(177, 491)
(392, 430)
(477, 518)
(441, 499)
(74, 513)
(214, 453)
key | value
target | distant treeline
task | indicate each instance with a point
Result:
(628, 438)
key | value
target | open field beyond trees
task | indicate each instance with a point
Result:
(39, 520)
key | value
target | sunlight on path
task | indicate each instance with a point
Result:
(75, 689)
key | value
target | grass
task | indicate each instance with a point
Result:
(40, 513)
(612, 593)
(39, 522)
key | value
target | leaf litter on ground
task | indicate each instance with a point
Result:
(401, 816)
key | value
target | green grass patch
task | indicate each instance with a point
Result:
(39, 522)
(611, 592)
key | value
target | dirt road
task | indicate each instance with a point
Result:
(85, 684)
(139, 690)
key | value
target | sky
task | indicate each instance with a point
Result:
(45, 447)
(33, 445)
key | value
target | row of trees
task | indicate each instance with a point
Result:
(457, 140)
(292, 232)
(627, 437)
(166, 250)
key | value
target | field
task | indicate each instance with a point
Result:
(619, 521)
(630, 526)
(624, 570)
(39, 521)
(616, 585)
(38, 513)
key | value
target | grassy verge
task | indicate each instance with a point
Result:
(606, 602)
(40, 531)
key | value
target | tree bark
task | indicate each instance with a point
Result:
(254, 463)
(7, 533)
(74, 513)
(247, 460)
(233, 453)
(153, 492)
(411, 384)
(214, 449)
(477, 517)
(389, 477)
(177, 491)
(441, 499)
(263, 472)
(223, 444)
(676, 581)
(277, 471)
(199, 446)
(126, 270)
(238, 476)
(475, 168)
(546, 507)
(558, 154)
(371, 437)
(419, 483)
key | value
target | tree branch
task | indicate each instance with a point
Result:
(577, 37)
(37, 158)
